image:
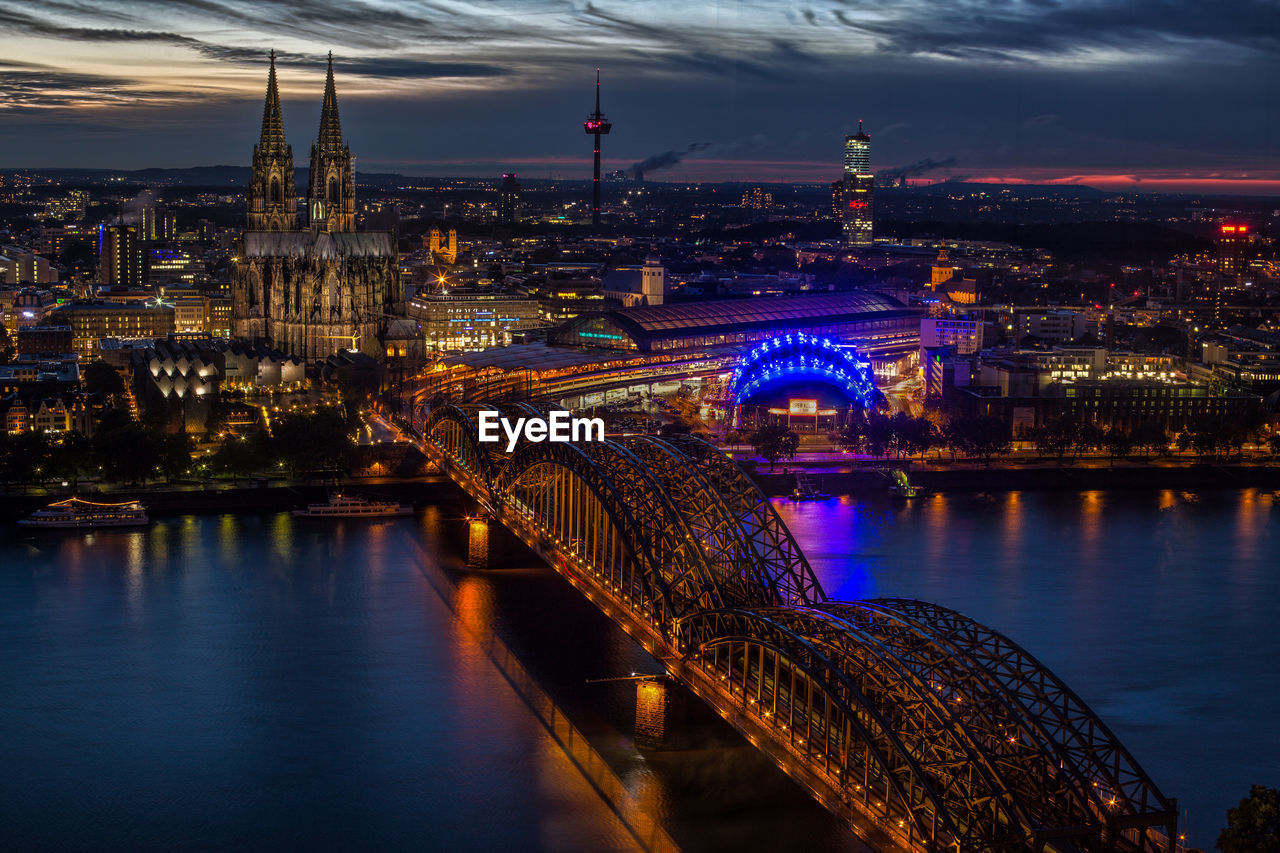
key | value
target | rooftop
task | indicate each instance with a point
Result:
(662, 321)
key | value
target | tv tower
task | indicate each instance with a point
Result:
(596, 125)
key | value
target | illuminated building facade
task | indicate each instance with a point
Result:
(91, 321)
(38, 339)
(632, 286)
(170, 265)
(18, 266)
(1050, 325)
(443, 251)
(471, 320)
(857, 195)
(756, 198)
(942, 271)
(1237, 249)
(119, 256)
(157, 224)
(311, 292)
(963, 333)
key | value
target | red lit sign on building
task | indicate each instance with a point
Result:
(857, 205)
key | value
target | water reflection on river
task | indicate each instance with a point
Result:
(259, 682)
(1158, 608)
(262, 683)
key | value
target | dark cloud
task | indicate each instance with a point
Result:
(42, 90)
(997, 30)
(1075, 85)
(419, 68)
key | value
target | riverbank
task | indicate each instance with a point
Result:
(246, 496)
(252, 496)
(1038, 478)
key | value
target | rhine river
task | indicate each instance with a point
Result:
(264, 682)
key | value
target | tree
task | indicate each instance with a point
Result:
(98, 377)
(1090, 436)
(879, 436)
(773, 442)
(72, 457)
(1275, 444)
(126, 451)
(852, 436)
(1210, 436)
(918, 435)
(24, 457)
(174, 452)
(240, 456)
(1183, 441)
(983, 437)
(1056, 438)
(320, 440)
(1149, 437)
(1254, 825)
(1118, 443)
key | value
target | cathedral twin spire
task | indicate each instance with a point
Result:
(273, 199)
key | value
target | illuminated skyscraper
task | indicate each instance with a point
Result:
(509, 200)
(1237, 249)
(856, 199)
(119, 256)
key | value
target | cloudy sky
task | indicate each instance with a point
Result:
(1158, 93)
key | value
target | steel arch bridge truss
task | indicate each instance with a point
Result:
(913, 722)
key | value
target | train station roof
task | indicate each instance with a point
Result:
(727, 319)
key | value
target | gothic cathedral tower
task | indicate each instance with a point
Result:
(273, 201)
(312, 291)
(331, 196)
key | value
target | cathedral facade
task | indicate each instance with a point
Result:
(311, 291)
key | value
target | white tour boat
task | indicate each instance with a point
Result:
(348, 506)
(75, 512)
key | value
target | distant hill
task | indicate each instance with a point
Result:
(1133, 242)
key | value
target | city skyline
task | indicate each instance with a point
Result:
(1074, 92)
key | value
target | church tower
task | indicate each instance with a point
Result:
(273, 201)
(331, 197)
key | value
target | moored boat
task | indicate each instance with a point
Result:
(79, 513)
(351, 506)
(805, 490)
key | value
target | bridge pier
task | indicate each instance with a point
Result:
(480, 542)
(656, 702)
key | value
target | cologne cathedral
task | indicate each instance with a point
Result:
(311, 291)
